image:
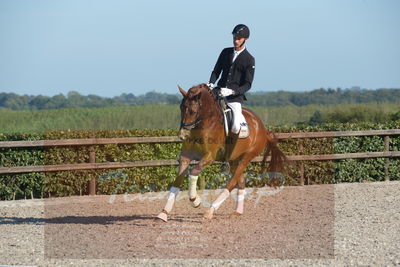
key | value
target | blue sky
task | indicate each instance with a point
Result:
(112, 47)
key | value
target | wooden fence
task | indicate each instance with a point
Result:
(91, 142)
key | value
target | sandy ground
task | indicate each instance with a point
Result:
(335, 225)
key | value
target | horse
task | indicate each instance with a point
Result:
(204, 140)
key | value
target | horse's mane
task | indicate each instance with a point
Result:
(202, 88)
(207, 97)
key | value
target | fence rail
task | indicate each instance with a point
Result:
(91, 142)
(175, 139)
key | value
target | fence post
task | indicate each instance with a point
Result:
(92, 183)
(301, 148)
(387, 160)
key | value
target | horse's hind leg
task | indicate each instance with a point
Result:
(238, 178)
(175, 188)
(240, 196)
(241, 183)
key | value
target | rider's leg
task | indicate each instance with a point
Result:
(231, 141)
(236, 108)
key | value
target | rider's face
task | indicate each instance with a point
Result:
(238, 42)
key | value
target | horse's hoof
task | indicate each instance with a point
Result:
(195, 202)
(162, 216)
(196, 206)
(209, 214)
(237, 213)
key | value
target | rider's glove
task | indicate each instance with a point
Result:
(211, 85)
(227, 91)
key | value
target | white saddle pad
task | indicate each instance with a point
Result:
(244, 130)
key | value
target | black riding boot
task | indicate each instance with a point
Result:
(230, 144)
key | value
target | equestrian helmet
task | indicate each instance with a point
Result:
(241, 31)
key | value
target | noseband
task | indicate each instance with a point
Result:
(185, 125)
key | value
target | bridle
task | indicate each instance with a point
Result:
(193, 124)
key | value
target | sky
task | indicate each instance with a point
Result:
(109, 47)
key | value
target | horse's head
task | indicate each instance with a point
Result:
(190, 111)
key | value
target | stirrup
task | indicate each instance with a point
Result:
(225, 168)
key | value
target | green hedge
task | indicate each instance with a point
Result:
(350, 170)
(144, 179)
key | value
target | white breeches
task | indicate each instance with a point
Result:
(238, 117)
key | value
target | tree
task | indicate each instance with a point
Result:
(395, 116)
(316, 118)
(39, 102)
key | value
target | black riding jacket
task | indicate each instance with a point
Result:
(237, 76)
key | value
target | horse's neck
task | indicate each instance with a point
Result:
(211, 126)
(213, 111)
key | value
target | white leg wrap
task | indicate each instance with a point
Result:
(240, 201)
(196, 202)
(192, 186)
(220, 199)
(173, 192)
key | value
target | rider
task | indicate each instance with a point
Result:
(237, 66)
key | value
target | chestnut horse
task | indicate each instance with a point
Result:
(204, 139)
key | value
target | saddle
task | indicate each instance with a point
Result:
(228, 119)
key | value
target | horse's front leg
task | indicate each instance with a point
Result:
(174, 190)
(193, 177)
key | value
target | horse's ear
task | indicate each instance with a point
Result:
(183, 92)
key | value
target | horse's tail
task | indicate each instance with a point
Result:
(278, 158)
